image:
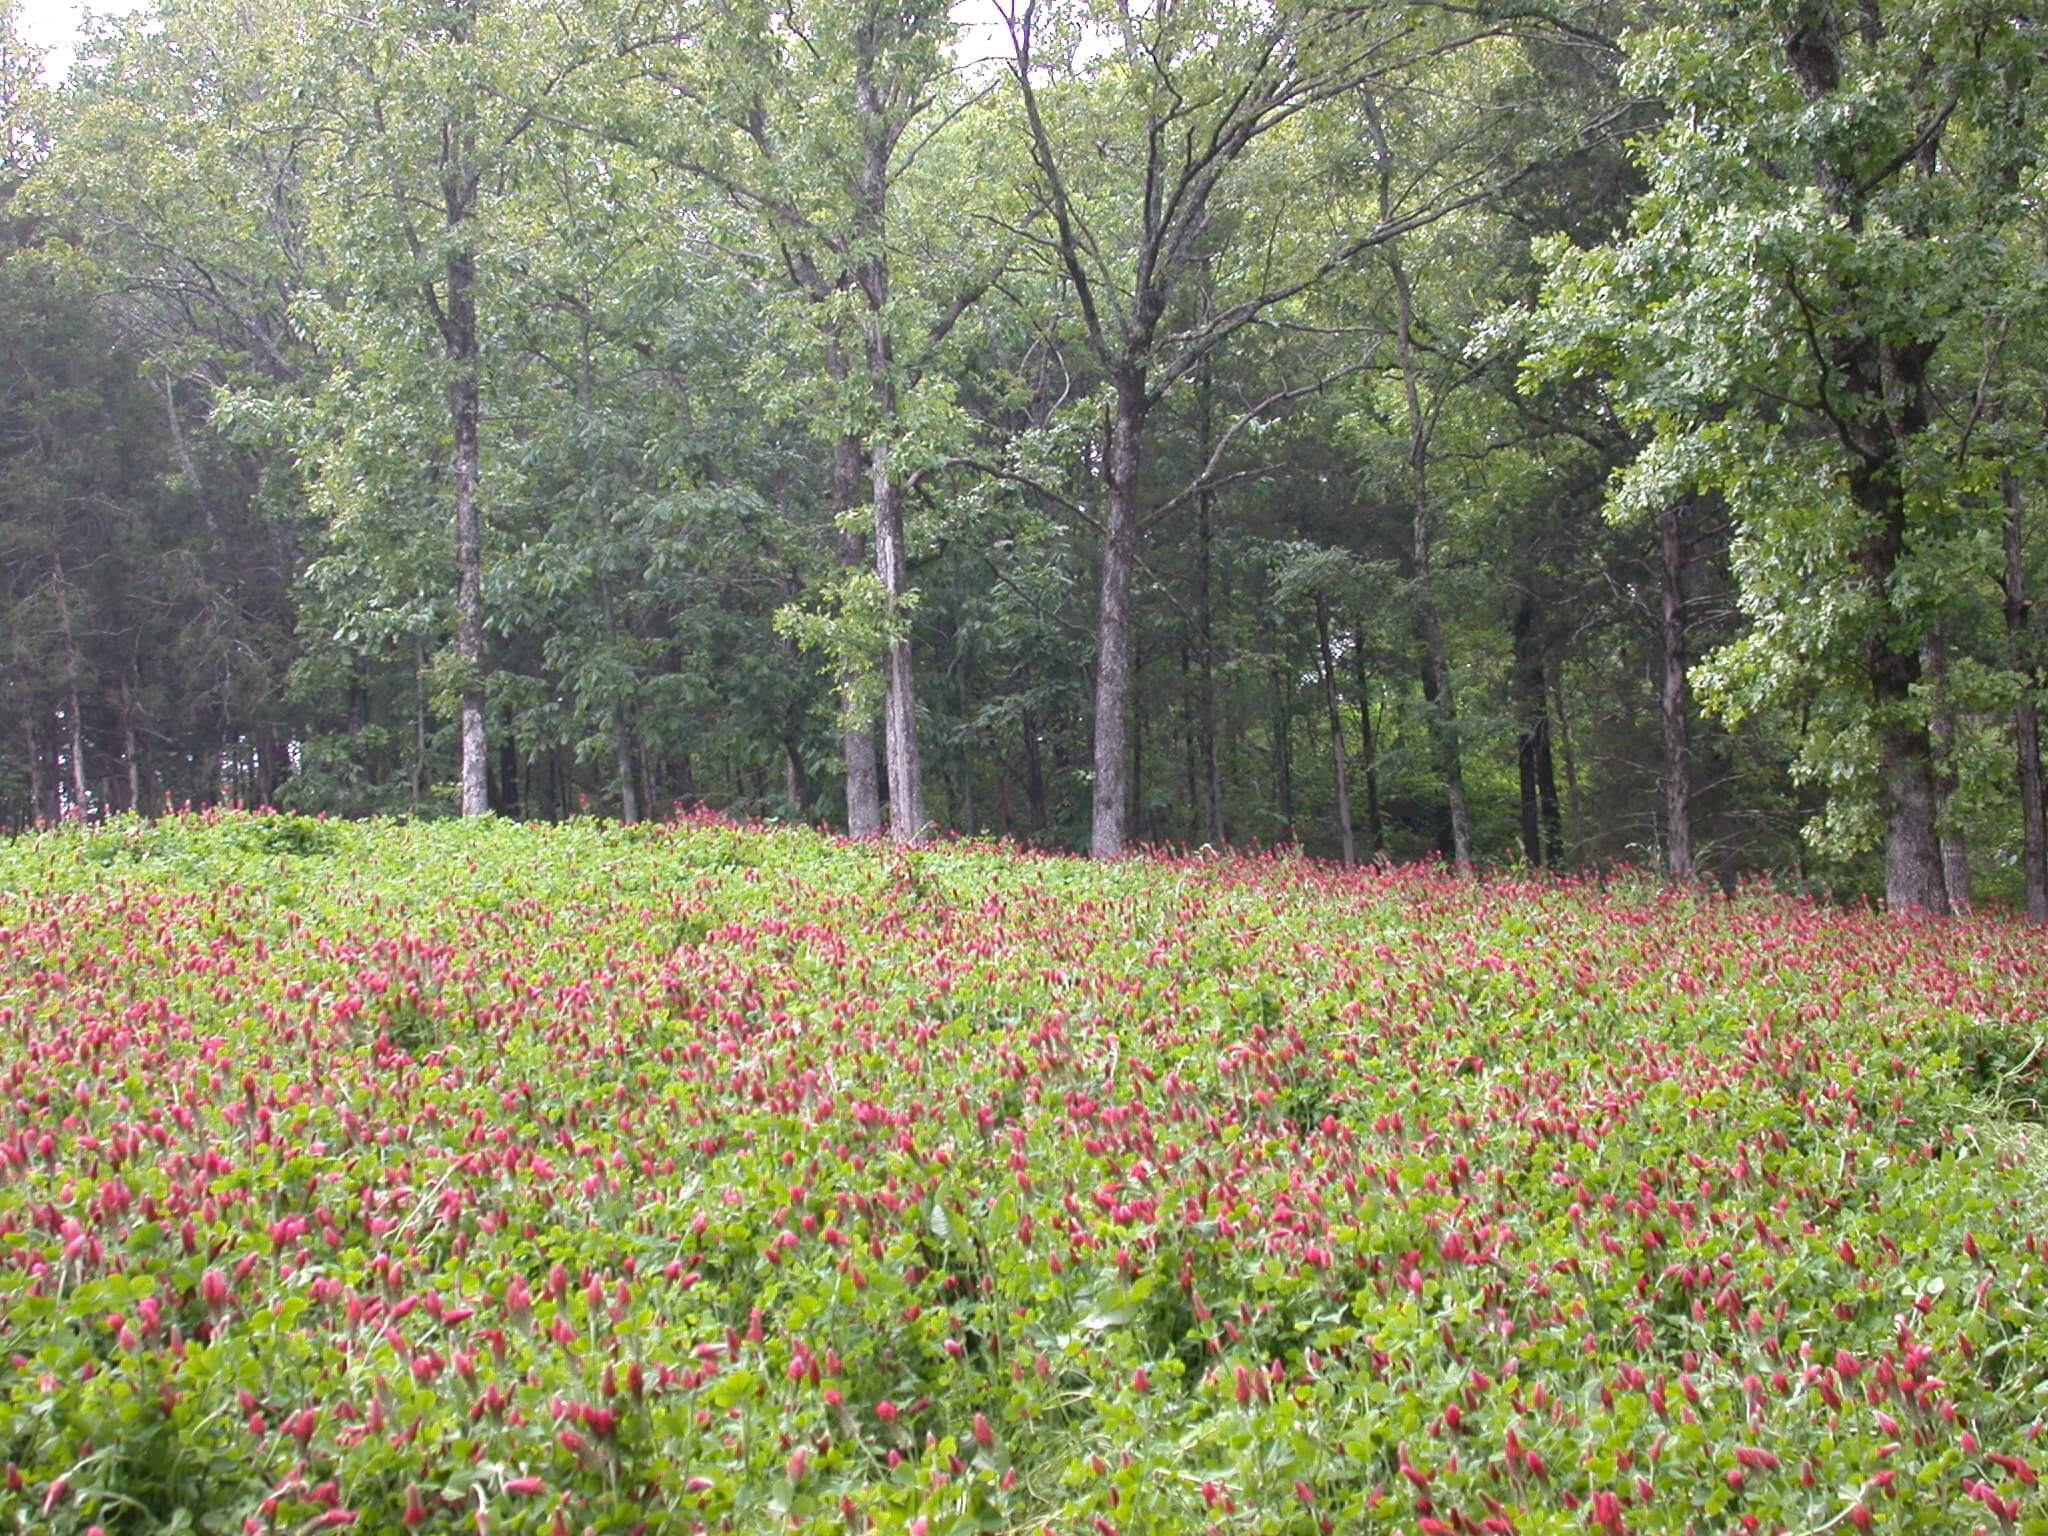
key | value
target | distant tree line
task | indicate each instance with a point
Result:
(1560, 435)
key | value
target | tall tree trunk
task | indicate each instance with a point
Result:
(419, 722)
(1368, 753)
(1532, 723)
(796, 782)
(81, 799)
(358, 693)
(899, 700)
(1438, 688)
(1034, 780)
(1546, 786)
(2026, 727)
(622, 743)
(1542, 822)
(1205, 625)
(184, 453)
(1955, 851)
(1444, 713)
(1134, 813)
(863, 772)
(1574, 804)
(1191, 750)
(1914, 879)
(1348, 848)
(131, 746)
(55, 777)
(508, 776)
(38, 777)
(1283, 748)
(1913, 876)
(1674, 693)
(459, 332)
(1881, 405)
(1113, 627)
(966, 741)
(269, 764)
(1446, 844)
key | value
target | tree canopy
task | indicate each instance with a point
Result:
(1561, 436)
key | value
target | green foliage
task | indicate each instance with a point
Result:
(1794, 229)
(727, 252)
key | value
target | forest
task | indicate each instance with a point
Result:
(1562, 435)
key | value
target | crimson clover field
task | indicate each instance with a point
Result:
(501, 1178)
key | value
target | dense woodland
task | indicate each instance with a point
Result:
(1563, 434)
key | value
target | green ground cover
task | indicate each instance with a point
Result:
(516, 1178)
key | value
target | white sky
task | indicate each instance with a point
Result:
(53, 24)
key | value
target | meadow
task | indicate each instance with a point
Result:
(500, 1178)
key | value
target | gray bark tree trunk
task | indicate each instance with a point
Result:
(899, 700)
(1134, 813)
(967, 739)
(1283, 743)
(38, 779)
(1532, 732)
(1368, 754)
(2026, 725)
(469, 601)
(1444, 705)
(1113, 647)
(622, 744)
(1347, 846)
(887, 116)
(1955, 850)
(796, 783)
(81, 798)
(1205, 623)
(1034, 779)
(1574, 804)
(1914, 879)
(863, 772)
(459, 184)
(419, 722)
(1674, 692)
(509, 800)
(1881, 389)
(75, 727)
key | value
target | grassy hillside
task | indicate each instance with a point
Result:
(518, 1178)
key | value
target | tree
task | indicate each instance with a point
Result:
(410, 140)
(358, 153)
(1825, 178)
(458, 401)
(805, 123)
(1143, 130)
(137, 610)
